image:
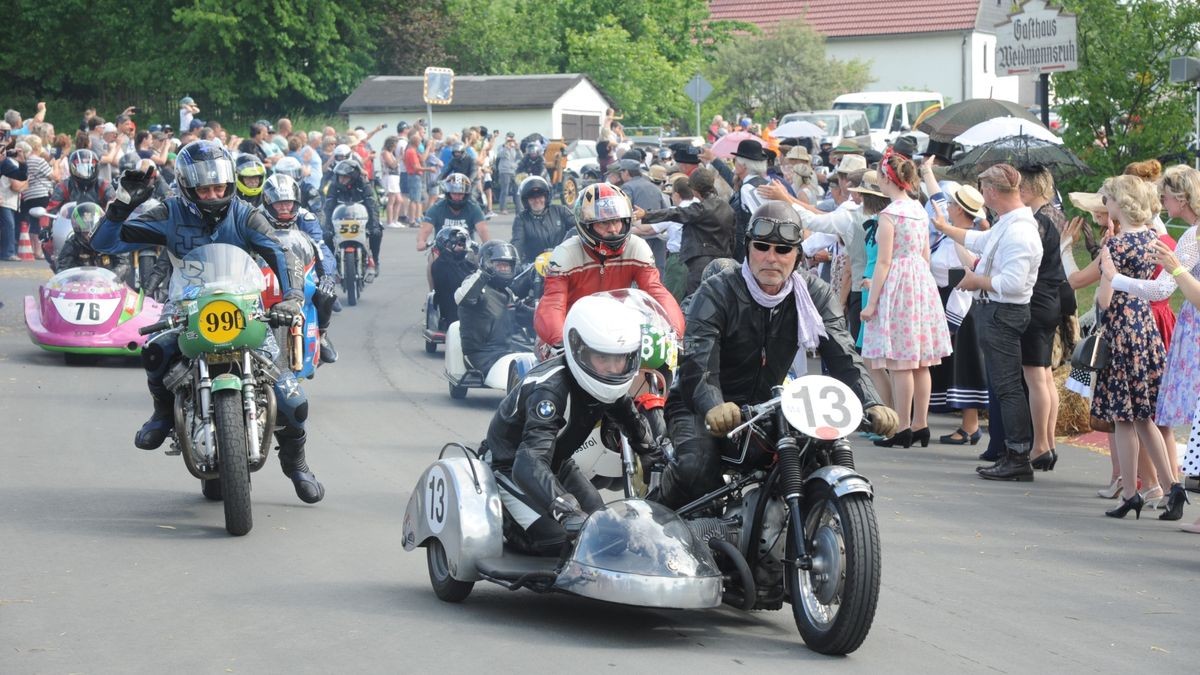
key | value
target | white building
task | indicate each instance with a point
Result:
(568, 106)
(947, 46)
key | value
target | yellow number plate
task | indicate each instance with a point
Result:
(221, 321)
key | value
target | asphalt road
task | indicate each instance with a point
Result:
(112, 561)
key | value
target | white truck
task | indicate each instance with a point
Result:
(889, 113)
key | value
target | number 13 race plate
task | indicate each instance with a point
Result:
(821, 407)
(221, 321)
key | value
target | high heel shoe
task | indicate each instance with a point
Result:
(1134, 503)
(1045, 461)
(1110, 492)
(1175, 501)
(1154, 498)
(961, 437)
(902, 438)
(921, 436)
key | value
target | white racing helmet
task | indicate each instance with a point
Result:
(602, 342)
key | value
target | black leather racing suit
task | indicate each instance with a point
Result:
(75, 253)
(534, 233)
(448, 274)
(531, 439)
(735, 350)
(357, 192)
(486, 322)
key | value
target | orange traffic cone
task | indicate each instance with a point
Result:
(25, 246)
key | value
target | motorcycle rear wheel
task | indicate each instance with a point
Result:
(350, 277)
(211, 489)
(445, 587)
(232, 456)
(834, 603)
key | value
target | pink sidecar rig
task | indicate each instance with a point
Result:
(85, 312)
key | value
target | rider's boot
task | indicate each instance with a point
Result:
(372, 270)
(328, 352)
(158, 427)
(291, 459)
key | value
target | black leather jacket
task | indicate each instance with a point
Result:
(533, 234)
(541, 423)
(75, 253)
(707, 227)
(735, 349)
(485, 319)
(357, 192)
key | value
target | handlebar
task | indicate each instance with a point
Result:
(165, 324)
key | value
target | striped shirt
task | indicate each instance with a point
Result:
(40, 184)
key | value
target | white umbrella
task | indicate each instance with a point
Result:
(798, 129)
(1003, 127)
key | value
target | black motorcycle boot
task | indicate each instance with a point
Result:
(1014, 466)
(161, 422)
(328, 352)
(291, 459)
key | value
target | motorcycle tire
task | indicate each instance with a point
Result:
(430, 347)
(350, 282)
(211, 489)
(844, 543)
(458, 393)
(445, 587)
(233, 459)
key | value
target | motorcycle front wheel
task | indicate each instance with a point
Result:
(834, 602)
(350, 277)
(233, 459)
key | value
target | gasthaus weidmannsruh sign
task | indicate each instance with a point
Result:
(1037, 38)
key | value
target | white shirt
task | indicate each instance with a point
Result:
(673, 229)
(1018, 252)
(846, 223)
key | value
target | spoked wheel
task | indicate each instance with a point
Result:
(350, 282)
(233, 460)
(211, 489)
(570, 190)
(445, 587)
(834, 602)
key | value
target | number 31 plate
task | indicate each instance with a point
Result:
(821, 407)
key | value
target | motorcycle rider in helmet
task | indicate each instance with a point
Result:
(82, 185)
(250, 176)
(310, 197)
(532, 162)
(543, 421)
(281, 206)
(745, 327)
(350, 186)
(604, 257)
(540, 225)
(206, 212)
(462, 161)
(485, 307)
(78, 251)
(340, 152)
(449, 270)
(454, 208)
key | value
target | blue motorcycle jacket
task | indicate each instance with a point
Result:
(174, 225)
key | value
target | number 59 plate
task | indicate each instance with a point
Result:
(821, 407)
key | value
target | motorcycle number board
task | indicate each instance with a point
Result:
(85, 311)
(821, 407)
(221, 321)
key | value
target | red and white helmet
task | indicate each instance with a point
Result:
(599, 203)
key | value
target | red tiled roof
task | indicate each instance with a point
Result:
(843, 18)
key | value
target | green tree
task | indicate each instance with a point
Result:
(1121, 85)
(784, 71)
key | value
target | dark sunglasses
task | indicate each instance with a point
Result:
(781, 249)
(769, 228)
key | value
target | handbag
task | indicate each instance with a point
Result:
(1092, 353)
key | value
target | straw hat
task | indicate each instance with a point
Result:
(870, 184)
(1087, 201)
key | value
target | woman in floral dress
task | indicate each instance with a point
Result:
(907, 331)
(1126, 391)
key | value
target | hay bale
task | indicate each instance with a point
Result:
(1074, 411)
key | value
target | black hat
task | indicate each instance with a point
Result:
(750, 149)
(686, 153)
(635, 154)
(906, 145)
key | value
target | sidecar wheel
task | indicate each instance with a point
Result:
(458, 393)
(211, 489)
(233, 459)
(445, 587)
(834, 603)
(430, 347)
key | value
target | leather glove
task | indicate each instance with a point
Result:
(884, 420)
(45, 235)
(566, 510)
(134, 187)
(328, 286)
(721, 419)
(290, 309)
